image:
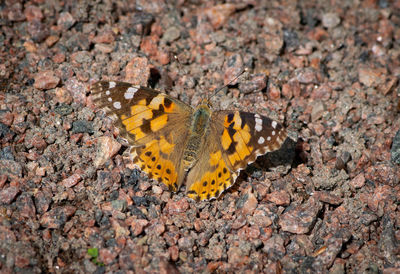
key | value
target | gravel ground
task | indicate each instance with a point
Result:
(328, 201)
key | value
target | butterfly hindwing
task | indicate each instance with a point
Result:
(211, 175)
(142, 115)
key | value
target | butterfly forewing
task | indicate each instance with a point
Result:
(144, 117)
(245, 136)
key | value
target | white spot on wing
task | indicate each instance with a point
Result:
(111, 84)
(274, 124)
(107, 92)
(258, 119)
(130, 92)
(269, 138)
(117, 105)
(109, 99)
(273, 133)
(261, 140)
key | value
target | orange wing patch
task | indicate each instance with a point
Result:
(152, 160)
(148, 117)
(235, 139)
(214, 182)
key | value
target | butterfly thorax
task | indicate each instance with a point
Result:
(199, 128)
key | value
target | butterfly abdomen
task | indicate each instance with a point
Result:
(198, 130)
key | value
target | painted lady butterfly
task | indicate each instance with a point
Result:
(172, 141)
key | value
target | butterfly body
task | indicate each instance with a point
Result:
(198, 129)
(172, 141)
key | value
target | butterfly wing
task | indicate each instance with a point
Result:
(153, 123)
(235, 140)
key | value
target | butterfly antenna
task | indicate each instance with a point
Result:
(231, 81)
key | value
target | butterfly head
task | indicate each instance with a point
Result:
(206, 103)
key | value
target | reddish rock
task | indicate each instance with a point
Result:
(57, 217)
(219, 14)
(327, 197)
(330, 20)
(174, 207)
(237, 256)
(306, 76)
(11, 169)
(333, 247)
(138, 226)
(233, 67)
(173, 253)
(71, 180)
(120, 231)
(76, 137)
(318, 34)
(65, 20)
(256, 83)
(288, 89)
(38, 142)
(157, 229)
(8, 194)
(46, 80)
(300, 219)
(137, 71)
(253, 232)
(384, 173)
(273, 42)
(107, 147)
(42, 201)
(186, 243)
(157, 189)
(50, 41)
(21, 261)
(318, 111)
(104, 48)
(30, 47)
(389, 85)
(261, 217)
(33, 13)
(250, 204)
(106, 37)
(379, 197)
(3, 180)
(239, 222)
(155, 7)
(275, 247)
(358, 181)
(213, 266)
(323, 92)
(59, 58)
(274, 92)
(280, 197)
(25, 206)
(370, 77)
(163, 57)
(15, 12)
(38, 31)
(149, 45)
(107, 256)
(6, 118)
(63, 96)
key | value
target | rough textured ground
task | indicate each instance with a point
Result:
(327, 202)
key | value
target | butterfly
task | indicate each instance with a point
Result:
(172, 141)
